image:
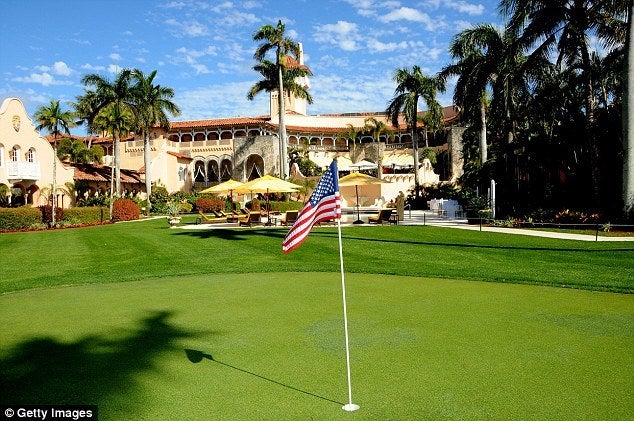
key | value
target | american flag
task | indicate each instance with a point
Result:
(324, 205)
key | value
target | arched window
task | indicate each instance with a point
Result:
(212, 171)
(226, 169)
(30, 155)
(14, 154)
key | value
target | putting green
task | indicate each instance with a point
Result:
(270, 346)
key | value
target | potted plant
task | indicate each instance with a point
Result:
(477, 209)
(173, 210)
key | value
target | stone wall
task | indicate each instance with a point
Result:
(265, 146)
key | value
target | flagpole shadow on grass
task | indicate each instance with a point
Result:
(195, 357)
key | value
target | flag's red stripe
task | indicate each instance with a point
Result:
(327, 209)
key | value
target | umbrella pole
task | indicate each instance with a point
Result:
(358, 221)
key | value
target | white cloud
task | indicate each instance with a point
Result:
(189, 28)
(464, 7)
(44, 79)
(89, 66)
(60, 68)
(115, 56)
(377, 46)
(344, 34)
(229, 99)
(354, 93)
(411, 15)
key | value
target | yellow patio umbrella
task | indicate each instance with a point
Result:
(225, 187)
(357, 179)
(267, 184)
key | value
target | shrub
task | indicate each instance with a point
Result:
(47, 214)
(285, 206)
(19, 218)
(159, 196)
(87, 215)
(206, 205)
(94, 201)
(186, 207)
(125, 210)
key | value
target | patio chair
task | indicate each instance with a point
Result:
(202, 217)
(229, 218)
(290, 217)
(250, 219)
(384, 216)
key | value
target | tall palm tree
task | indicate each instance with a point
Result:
(151, 105)
(275, 39)
(566, 26)
(116, 93)
(54, 120)
(413, 85)
(111, 120)
(477, 51)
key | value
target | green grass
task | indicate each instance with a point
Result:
(141, 250)
(156, 323)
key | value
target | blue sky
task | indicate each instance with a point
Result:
(204, 49)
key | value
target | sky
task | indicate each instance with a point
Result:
(204, 49)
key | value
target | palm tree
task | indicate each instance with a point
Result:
(116, 93)
(86, 111)
(151, 103)
(477, 51)
(114, 119)
(566, 26)
(376, 128)
(54, 120)
(273, 38)
(411, 86)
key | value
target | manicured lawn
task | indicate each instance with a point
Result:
(142, 250)
(156, 323)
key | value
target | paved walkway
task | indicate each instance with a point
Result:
(420, 217)
(430, 218)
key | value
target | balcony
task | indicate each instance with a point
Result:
(22, 170)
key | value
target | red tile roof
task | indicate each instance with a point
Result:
(178, 155)
(98, 172)
(218, 122)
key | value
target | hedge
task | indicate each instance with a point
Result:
(86, 215)
(285, 206)
(20, 218)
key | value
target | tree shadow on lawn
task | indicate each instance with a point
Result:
(467, 245)
(245, 233)
(234, 233)
(195, 357)
(91, 371)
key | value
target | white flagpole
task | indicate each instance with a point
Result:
(349, 406)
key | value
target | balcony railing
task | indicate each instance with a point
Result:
(23, 170)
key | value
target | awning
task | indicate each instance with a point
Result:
(398, 160)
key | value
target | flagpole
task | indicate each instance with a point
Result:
(349, 406)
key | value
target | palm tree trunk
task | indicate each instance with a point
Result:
(53, 218)
(148, 174)
(628, 120)
(282, 128)
(117, 164)
(483, 132)
(415, 148)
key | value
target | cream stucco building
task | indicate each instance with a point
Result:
(26, 160)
